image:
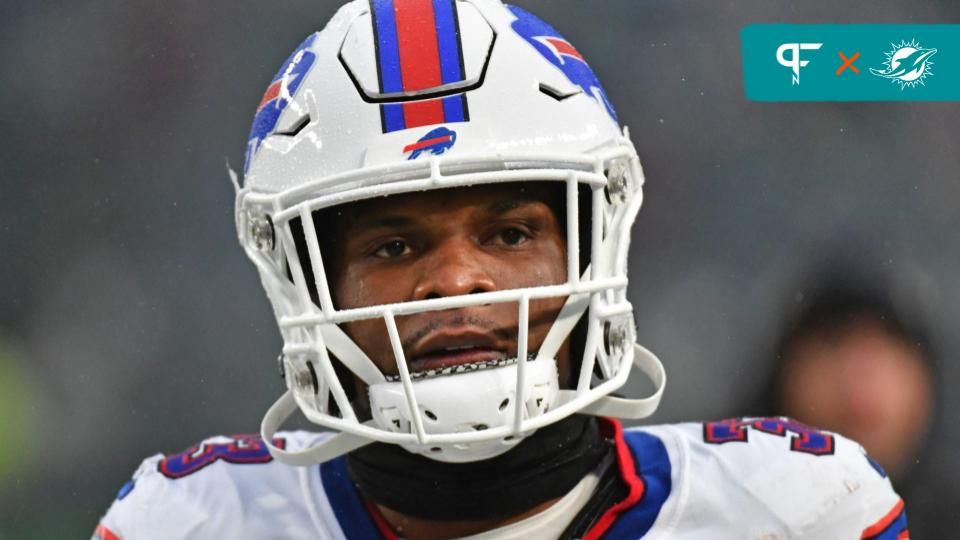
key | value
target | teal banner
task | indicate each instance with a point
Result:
(851, 62)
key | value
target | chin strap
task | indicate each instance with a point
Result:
(633, 409)
(571, 312)
(327, 449)
(350, 354)
(342, 443)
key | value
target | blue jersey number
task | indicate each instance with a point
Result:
(805, 439)
(242, 449)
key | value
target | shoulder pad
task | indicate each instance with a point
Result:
(205, 491)
(816, 483)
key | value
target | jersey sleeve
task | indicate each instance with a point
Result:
(223, 487)
(150, 507)
(813, 483)
(833, 489)
(869, 510)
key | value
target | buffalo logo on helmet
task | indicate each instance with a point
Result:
(278, 95)
(436, 142)
(559, 52)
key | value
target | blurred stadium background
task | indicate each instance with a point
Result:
(131, 323)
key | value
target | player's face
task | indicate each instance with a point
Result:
(444, 243)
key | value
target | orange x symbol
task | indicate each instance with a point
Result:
(848, 62)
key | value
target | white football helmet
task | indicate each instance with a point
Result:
(398, 96)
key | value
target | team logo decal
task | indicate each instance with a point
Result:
(435, 142)
(279, 94)
(559, 52)
(907, 64)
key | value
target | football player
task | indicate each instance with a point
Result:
(438, 197)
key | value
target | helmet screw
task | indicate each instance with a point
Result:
(261, 232)
(617, 181)
(303, 380)
(616, 337)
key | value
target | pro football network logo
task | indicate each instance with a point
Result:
(794, 62)
(435, 142)
(907, 64)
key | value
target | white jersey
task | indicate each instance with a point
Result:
(761, 479)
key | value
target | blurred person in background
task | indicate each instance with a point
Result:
(852, 362)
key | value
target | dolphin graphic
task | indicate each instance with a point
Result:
(907, 64)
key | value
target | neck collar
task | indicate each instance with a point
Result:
(544, 466)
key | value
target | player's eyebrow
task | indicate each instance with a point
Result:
(386, 222)
(356, 224)
(503, 206)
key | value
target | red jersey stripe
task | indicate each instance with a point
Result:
(628, 472)
(103, 533)
(381, 522)
(884, 522)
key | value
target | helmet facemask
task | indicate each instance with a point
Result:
(464, 412)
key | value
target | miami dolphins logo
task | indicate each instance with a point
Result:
(907, 64)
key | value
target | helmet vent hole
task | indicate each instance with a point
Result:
(313, 377)
(430, 415)
(509, 438)
(557, 94)
(504, 403)
(436, 450)
(296, 128)
(480, 427)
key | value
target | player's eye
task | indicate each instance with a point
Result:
(391, 249)
(513, 236)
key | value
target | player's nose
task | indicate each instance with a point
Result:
(452, 268)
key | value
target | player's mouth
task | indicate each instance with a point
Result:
(446, 352)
